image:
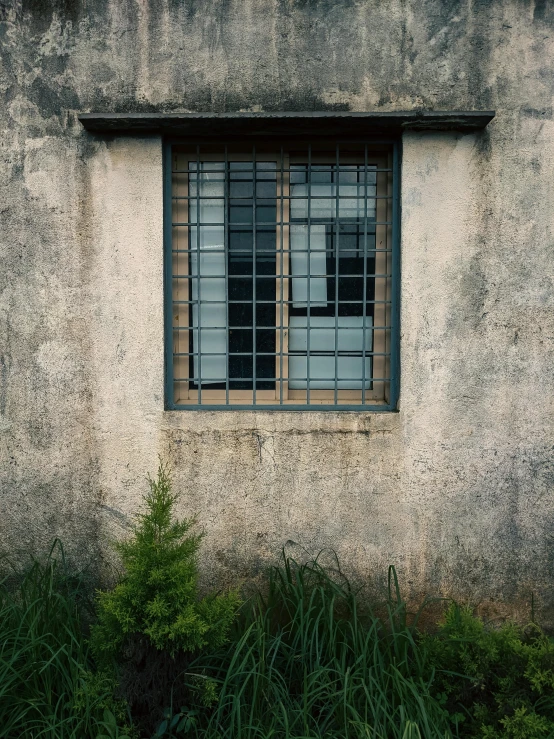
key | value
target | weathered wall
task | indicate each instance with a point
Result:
(456, 488)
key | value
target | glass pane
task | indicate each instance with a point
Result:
(308, 257)
(322, 372)
(349, 332)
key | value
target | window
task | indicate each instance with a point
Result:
(281, 276)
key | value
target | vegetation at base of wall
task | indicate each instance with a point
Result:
(307, 659)
(151, 624)
(500, 679)
(49, 686)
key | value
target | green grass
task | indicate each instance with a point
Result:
(46, 687)
(305, 662)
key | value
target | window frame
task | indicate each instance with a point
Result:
(235, 403)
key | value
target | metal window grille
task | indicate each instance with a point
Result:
(281, 276)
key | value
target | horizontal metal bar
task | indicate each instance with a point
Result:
(293, 408)
(232, 378)
(272, 278)
(257, 198)
(295, 169)
(312, 353)
(270, 225)
(283, 251)
(275, 302)
(269, 328)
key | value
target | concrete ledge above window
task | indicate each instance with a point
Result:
(328, 123)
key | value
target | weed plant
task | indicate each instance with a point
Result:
(499, 679)
(45, 664)
(306, 662)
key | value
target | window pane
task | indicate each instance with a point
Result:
(308, 258)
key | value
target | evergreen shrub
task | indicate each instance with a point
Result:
(152, 622)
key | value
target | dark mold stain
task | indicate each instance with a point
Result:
(542, 114)
(50, 101)
(543, 11)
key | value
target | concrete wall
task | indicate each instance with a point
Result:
(456, 488)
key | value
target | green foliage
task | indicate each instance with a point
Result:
(158, 596)
(45, 666)
(182, 722)
(153, 622)
(110, 727)
(306, 662)
(100, 688)
(501, 679)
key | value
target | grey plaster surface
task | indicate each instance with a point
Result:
(456, 488)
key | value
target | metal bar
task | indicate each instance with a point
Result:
(309, 265)
(272, 302)
(226, 207)
(384, 408)
(239, 328)
(168, 277)
(395, 297)
(320, 221)
(276, 354)
(273, 379)
(364, 286)
(281, 270)
(337, 245)
(272, 277)
(254, 200)
(288, 197)
(301, 274)
(198, 256)
(247, 251)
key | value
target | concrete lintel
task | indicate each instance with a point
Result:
(326, 123)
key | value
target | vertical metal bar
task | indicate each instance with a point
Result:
(281, 269)
(226, 257)
(254, 183)
(337, 246)
(364, 286)
(198, 275)
(395, 288)
(168, 275)
(308, 278)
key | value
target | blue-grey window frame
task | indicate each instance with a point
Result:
(394, 392)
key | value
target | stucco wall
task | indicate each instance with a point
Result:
(456, 488)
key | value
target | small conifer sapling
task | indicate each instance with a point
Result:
(157, 597)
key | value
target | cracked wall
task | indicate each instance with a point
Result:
(456, 488)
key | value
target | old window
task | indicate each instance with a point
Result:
(281, 276)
